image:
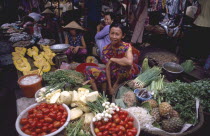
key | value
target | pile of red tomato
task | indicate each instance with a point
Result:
(44, 119)
(121, 124)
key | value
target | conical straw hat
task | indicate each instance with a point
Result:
(74, 25)
(47, 11)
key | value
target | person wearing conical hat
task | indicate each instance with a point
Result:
(50, 25)
(77, 50)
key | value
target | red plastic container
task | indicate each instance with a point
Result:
(30, 90)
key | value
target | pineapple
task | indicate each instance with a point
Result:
(164, 109)
(173, 113)
(152, 103)
(156, 114)
(173, 124)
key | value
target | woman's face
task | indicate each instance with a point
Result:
(73, 32)
(107, 20)
(116, 35)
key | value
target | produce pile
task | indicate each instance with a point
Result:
(44, 119)
(42, 61)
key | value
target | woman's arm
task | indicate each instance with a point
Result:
(125, 61)
(102, 33)
(66, 39)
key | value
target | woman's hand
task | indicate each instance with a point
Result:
(76, 49)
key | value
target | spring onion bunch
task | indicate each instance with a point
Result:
(145, 78)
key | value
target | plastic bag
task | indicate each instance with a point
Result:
(65, 65)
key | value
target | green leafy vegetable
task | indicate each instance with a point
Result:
(188, 66)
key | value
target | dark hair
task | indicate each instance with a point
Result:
(120, 25)
(111, 14)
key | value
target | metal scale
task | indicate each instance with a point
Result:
(60, 56)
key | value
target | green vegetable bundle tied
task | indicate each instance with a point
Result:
(145, 78)
(188, 66)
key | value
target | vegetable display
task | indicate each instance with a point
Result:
(182, 97)
(44, 119)
(70, 78)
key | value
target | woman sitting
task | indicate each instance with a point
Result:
(77, 50)
(120, 62)
(102, 36)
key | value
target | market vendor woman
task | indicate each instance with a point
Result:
(121, 65)
(77, 49)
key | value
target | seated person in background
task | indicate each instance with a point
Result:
(27, 24)
(50, 26)
(77, 50)
(102, 36)
(121, 64)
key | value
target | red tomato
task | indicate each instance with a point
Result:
(31, 111)
(96, 130)
(27, 131)
(99, 134)
(55, 107)
(61, 108)
(65, 113)
(52, 115)
(33, 124)
(39, 115)
(122, 123)
(101, 128)
(115, 116)
(122, 117)
(114, 134)
(45, 110)
(113, 125)
(44, 129)
(62, 123)
(64, 116)
(43, 133)
(31, 116)
(120, 133)
(56, 124)
(130, 119)
(99, 123)
(44, 105)
(105, 133)
(53, 130)
(129, 134)
(121, 128)
(130, 124)
(41, 120)
(23, 121)
(133, 131)
(59, 113)
(50, 127)
(59, 117)
(33, 134)
(48, 119)
(39, 124)
(63, 120)
(117, 120)
(38, 130)
(126, 119)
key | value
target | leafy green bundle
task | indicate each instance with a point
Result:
(182, 97)
(188, 66)
(62, 78)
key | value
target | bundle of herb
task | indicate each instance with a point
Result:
(75, 128)
(96, 106)
(182, 97)
(60, 78)
(145, 78)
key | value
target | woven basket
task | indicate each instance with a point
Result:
(188, 132)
